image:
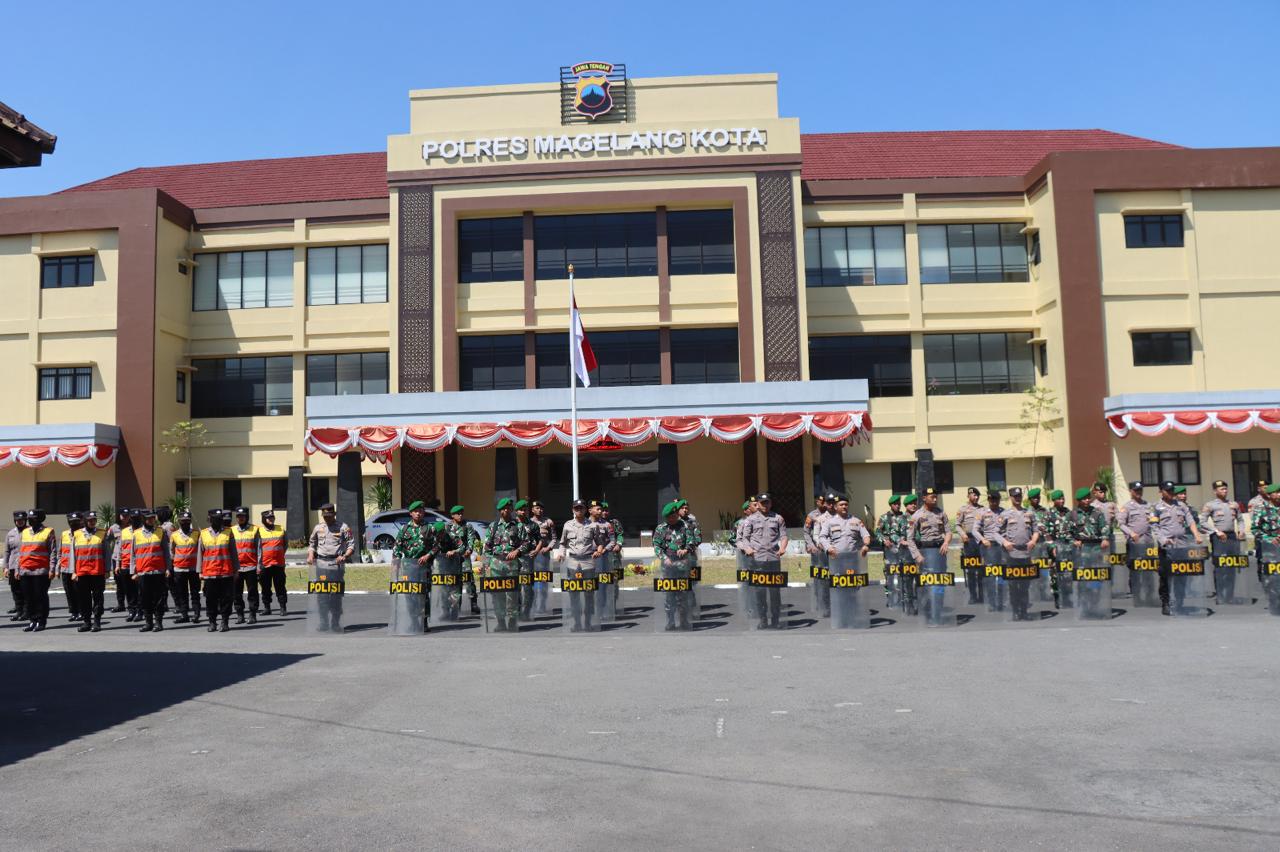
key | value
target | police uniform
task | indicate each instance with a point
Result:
(89, 562)
(126, 588)
(533, 535)
(983, 526)
(1017, 531)
(818, 557)
(271, 552)
(1174, 526)
(581, 540)
(1134, 520)
(1220, 521)
(185, 580)
(12, 547)
(217, 571)
(330, 543)
(245, 536)
(74, 523)
(542, 561)
(965, 517)
(763, 535)
(37, 560)
(928, 529)
(151, 570)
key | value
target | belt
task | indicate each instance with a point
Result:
(1090, 541)
(929, 544)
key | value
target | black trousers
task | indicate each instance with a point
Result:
(185, 586)
(126, 590)
(153, 592)
(90, 589)
(246, 580)
(273, 575)
(35, 591)
(217, 596)
(19, 602)
(69, 587)
(1168, 583)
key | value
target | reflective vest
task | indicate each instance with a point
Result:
(64, 553)
(36, 549)
(184, 550)
(273, 546)
(148, 554)
(126, 547)
(90, 561)
(215, 554)
(246, 546)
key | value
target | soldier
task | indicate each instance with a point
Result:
(245, 535)
(909, 572)
(1256, 503)
(417, 541)
(271, 552)
(982, 530)
(1135, 525)
(12, 548)
(151, 568)
(184, 545)
(1265, 520)
(1017, 532)
(217, 569)
(1087, 526)
(453, 546)
(673, 542)
(1173, 524)
(1220, 520)
(475, 547)
(764, 539)
(533, 536)
(1055, 531)
(892, 536)
(74, 522)
(1180, 494)
(126, 588)
(818, 562)
(504, 547)
(37, 561)
(616, 536)
(330, 546)
(969, 547)
(542, 557)
(89, 569)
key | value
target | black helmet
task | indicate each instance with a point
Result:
(36, 515)
(184, 515)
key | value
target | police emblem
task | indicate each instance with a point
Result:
(591, 95)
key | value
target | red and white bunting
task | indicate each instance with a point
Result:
(1153, 423)
(70, 455)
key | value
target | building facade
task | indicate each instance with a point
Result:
(713, 243)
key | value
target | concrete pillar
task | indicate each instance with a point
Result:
(351, 495)
(668, 476)
(296, 524)
(924, 471)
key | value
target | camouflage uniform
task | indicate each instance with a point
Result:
(1092, 528)
(506, 538)
(454, 537)
(475, 547)
(1265, 521)
(534, 536)
(1053, 531)
(891, 530)
(668, 539)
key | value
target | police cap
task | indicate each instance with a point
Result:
(1219, 483)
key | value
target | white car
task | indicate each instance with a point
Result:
(381, 528)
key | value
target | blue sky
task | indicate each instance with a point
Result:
(129, 84)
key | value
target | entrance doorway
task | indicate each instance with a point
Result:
(627, 480)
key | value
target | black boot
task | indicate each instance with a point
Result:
(335, 626)
(213, 624)
(475, 607)
(266, 608)
(284, 610)
(41, 624)
(97, 623)
(29, 628)
(182, 618)
(159, 622)
(149, 626)
(225, 625)
(253, 618)
(1164, 609)
(239, 618)
(84, 626)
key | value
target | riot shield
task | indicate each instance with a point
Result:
(673, 594)
(542, 581)
(1269, 567)
(446, 589)
(606, 601)
(525, 596)
(820, 582)
(1092, 578)
(1042, 586)
(1234, 581)
(994, 588)
(1190, 588)
(851, 593)
(1021, 576)
(1144, 572)
(499, 589)
(409, 587)
(1119, 562)
(908, 585)
(746, 595)
(1065, 585)
(771, 599)
(971, 564)
(892, 577)
(580, 588)
(938, 597)
(326, 583)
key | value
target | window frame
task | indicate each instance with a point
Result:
(637, 228)
(77, 263)
(557, 345)
(1137, 230)
(181, 389)
(1152, 344)
(993, 467)
(317, 492)
(215, 370)
(678, 219)
(871, 356)
(366, 249)
(63, 495)
(685, 341)
(820, 231)
(57, 374)
(952, 245)
(984, 338)
(279, 483)
(312, 363)
(202, 260)
(1255, 469)
(466, 273)
(496, 343)
(232, 493)
(1179, 458)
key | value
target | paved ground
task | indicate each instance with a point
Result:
(1143, 732)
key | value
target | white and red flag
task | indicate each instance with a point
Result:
(580, 354)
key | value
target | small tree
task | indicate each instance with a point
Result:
(179, 503)
(379, 495)
(1039, 415)
(1106, 477)
(182, 437)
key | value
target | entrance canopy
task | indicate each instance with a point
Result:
(70, 444)
(1193, 412)
(378, 424)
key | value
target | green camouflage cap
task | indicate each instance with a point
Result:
(1056, 494)
(1083, 491)
(895, 499)
(909, 499)
(671, 508)
(1033, 492)
(504, 503)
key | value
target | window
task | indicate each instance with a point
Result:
(242, 387)
(978, 363)
(1042, 362)
(995, 474)
(66, 382)
(599, 245)
(1161, 348)
(180, 487)
(1182, 467)
(625, 358)
(280, 493)
(347, 373)
(1035, 249)
(703, 355)
(968, 254)
(317, 492)
(843, 257)
(75, 271)
(182, 387)
(1249, 467)
(243, 279)
(491, 250)
(59, 498)
(944, 477)
(492, 362)
(884, 360)
(346, 275)
(1153, 231)
(700, 242)
(902, 476)
(232, 492)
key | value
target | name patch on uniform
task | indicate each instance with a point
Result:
(970, 562)
(848, 581)
(407, 587)
(1093, 575)
(695, 573)
(1232, 560)
(499, 584)
(605, 578)
(1021, 572)
(937, 578)
(542, 576)
(578, 584)
(767, 579)
(1186, 567)
(994, 570)
(446, 579)
(326, 587)
(671, 584)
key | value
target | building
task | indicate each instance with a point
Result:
(902, 290)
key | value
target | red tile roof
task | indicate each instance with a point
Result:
(336, 177)
(948, 153)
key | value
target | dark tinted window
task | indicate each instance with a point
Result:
(701, 355)
(902, 477)
(978, 363)
(599, 245)
(700, 242)
(1153, 231)
(1248, 468)
(1182, 467)
(66, 382)
(996, 474)
(231, 493)
(317, 492)
(624, 357)
(74, 271)
(843, 257)
(491, 362)
(884, 360)
(58, 498)
(491, 250)
(1161, 348)
(242, 387)
(347, 373)
(972, 253)
(280, 493)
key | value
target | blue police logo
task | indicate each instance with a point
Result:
(591, 96)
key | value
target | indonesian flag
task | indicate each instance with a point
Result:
(583, 359)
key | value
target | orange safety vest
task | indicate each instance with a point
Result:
(64, 553)
(89, 557)
(246, 549)
(184, 550)
(148, 557)
(216, 558)
(126, 548)
(36, 548)
(273, 546)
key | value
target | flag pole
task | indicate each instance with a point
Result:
(573, 390)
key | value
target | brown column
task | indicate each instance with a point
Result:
(780, 300)
(530, 360)
(746, 290)
(417, 326)
(664, 268)
(664, 354)
(529, 269)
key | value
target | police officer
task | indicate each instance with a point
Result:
(584, 540)
(842, 533)
(89, 560)
(503, 548)
(1220, 520)
(983, 531)
(891, 530)
(245, 535)
(1018, 532)
(151, 568)
(13, 547)
(1135, 525)
(218, 566)
(672, 544)
(331, 545)
(121, 535)
(928, 529)
(75, 521)
(818, 561)
(184, 583)
(1173, 525)
(965, 516)
(271, 552)
(37, 562)
(542, 557)
(533, 535)
(764, 539)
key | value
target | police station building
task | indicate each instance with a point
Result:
(770, 310)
